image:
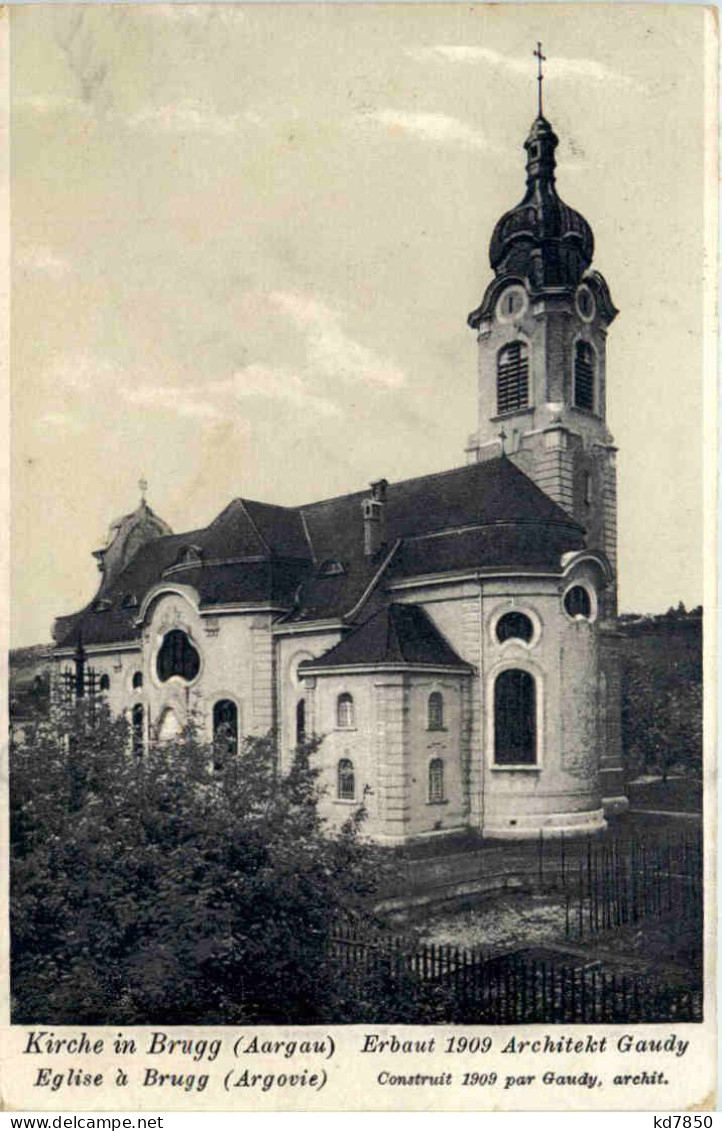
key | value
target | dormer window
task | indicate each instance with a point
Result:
(129, 601)
(102, 605)
(190, 555)
(512, 378)
(332, 567)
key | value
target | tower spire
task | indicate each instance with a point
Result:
(540, 74)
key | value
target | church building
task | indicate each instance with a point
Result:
(451, 637)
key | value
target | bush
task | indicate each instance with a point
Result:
(159, 889)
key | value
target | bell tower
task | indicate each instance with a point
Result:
(542, 334)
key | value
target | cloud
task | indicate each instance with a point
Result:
(277, 383)
(438, 128)
(190, 116)
(172, 399)
(330, 350)
(214, 401)
(86, 372)
(558, 67)
(43, 261)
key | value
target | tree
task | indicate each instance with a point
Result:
(159, 888)
(662, 719)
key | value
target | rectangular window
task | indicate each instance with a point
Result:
(512, 378)
(584, 377)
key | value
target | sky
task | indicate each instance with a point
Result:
(245, 240)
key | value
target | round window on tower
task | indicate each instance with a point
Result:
(512, 304)
(578, 603)
(586, 303)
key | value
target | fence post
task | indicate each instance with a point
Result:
(589, 881)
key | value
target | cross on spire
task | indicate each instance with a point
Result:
(540, 75)
(143, 484)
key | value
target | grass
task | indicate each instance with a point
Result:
(678, 794)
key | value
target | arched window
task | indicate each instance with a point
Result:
(345, 715)
(515, 719)
(137, 729)
(104, 684)
(300, 722)
(169, 727)
(177, 656)
(512, 378)
(436, 780)
(578, 603)
(514, 626)
(225, 731)
(137, 681)
(584, 371)
(346, 780)
(436, 711)
(129, 601)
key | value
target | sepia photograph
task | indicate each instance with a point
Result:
(358, 365)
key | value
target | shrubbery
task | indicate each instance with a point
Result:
(162, 889)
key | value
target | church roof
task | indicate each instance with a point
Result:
(488, 516)
(485, 516)
(396, 634)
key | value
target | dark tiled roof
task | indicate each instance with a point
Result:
(518, 527)
(396, 634)
(239, 563)
(487, 516)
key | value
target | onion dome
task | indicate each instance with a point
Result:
(542, 239)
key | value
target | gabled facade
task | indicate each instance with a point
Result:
(450, 636)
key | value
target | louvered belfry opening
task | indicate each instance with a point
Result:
(584, 376)
(512, 378)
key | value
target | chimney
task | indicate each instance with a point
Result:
(374, 512)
